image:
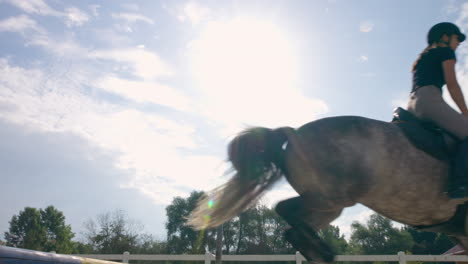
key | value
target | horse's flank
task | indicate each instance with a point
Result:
(340, 161)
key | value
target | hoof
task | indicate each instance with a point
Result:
(312, 248)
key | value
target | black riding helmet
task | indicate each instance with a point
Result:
(438, 30)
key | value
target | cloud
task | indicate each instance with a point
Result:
(463, 15)
(366, 26)
(281, 191)
(141, 91)
(153, 147)
(462, 55)
(111, 38)
(35, 35)
(194, 13)
(20, 24)
(35, 7)
(94, 9)
(49, 101)
(357, 213)
(54, 168)
(64, 48)
(131, 6)
(450, 8)
(132, 18)
(363, 58)
(198, 172)
(129, 19)
(75, 17)
(146, 64)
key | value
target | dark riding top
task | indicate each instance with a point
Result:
(429, 70)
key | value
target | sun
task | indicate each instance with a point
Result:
(243, 59)
(243, 51)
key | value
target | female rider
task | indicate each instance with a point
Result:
(434, 68)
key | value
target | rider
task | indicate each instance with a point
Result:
(434, 68)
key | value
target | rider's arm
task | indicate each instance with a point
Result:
(453, 86)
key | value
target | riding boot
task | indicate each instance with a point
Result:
(458, 178)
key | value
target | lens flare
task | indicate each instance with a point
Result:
(199, 243)
(210, 204)
(206, 218)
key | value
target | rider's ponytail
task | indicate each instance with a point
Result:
(413, 68)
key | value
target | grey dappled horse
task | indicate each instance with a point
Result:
(335, 163)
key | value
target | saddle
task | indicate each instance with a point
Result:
(425, 135)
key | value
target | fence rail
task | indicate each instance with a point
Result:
(9, 255)
(401, 258)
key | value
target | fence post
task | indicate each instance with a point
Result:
(401, 257)
(126, 257)
(298, 257)
(208, 257)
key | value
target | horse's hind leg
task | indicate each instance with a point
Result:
(306, 217)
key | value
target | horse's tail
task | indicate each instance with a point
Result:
(257, 157)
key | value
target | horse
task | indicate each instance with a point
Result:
(334, 163)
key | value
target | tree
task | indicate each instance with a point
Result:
(113, 233)
(181, 238)
(229, 236)
(58, 235)
(331, 235)
(275, 227)
(82, 248)
(429, 243)
(147, 244)
(219, 243)
(26, 230)
(258, 230)
(378, 237)
(43, 230)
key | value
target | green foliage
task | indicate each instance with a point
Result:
(378, 237)
(58, 235)
(43, 230)
(181, 238)
(82, 248)
(429, 243)
(26, 230)
(331, 235)
(258, 230)
(147, 244)
(113, 233)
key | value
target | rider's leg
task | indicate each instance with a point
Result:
(458, 185)
(427, 103)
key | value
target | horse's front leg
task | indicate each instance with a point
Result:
(306, 217)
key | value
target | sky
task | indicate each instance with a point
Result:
(108, 105)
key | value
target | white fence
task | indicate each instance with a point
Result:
(401, 257)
